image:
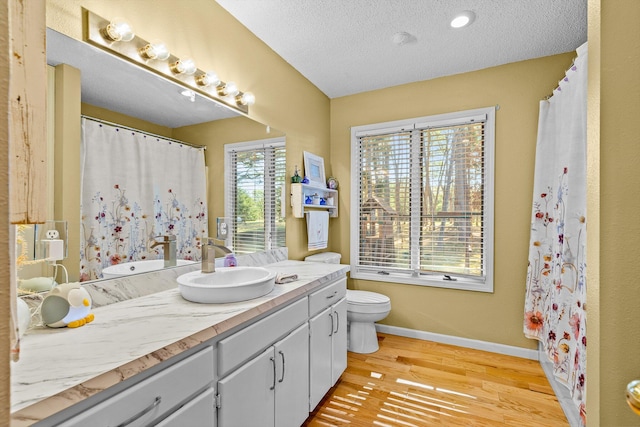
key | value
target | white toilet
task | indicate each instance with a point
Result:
(364, 308)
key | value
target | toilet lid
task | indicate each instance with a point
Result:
(366, 298)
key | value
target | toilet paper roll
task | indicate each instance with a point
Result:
(54, 249)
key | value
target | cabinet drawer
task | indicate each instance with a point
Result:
(239, 347)
(328, 295)
(144, 402)
(198, 412)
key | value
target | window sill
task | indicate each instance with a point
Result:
(435, 281)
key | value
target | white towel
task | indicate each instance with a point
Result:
(317, 229)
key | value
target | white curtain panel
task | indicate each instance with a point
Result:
(136, 187)
(555, 304)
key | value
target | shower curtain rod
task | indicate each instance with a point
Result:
(203, 147)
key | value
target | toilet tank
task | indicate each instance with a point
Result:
(326, 257)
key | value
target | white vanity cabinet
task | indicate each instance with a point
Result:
(269, 370)
(180, 394)
(272, 387)
(328, 339)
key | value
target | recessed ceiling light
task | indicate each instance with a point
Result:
(463, 19)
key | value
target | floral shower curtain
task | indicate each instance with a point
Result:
(135, 187)
(555, 304)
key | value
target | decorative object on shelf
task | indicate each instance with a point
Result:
(296, 179)
(332, 183)
(314, 169)
(305, 180)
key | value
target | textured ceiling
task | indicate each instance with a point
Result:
(346, 46)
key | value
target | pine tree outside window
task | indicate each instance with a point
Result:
(422, 197)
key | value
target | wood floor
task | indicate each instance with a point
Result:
(411, 382)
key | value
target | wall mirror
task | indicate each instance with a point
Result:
(112, 84)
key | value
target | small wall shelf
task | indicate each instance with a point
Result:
(300, 193)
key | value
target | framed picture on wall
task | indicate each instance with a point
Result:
(314, 169)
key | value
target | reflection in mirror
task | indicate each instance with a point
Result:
(116, 91)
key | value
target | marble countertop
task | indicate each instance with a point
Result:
(60, 367)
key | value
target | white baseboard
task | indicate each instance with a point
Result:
(461, 342)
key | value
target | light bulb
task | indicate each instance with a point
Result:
(183, 66)
(246, 98)
(118, 30)
(208, 79)
(229, 89)
(155, 50)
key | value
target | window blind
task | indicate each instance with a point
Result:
(421, 199)
(255, 190)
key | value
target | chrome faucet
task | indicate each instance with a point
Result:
(169, 248)
(208, 254)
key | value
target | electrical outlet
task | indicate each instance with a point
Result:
(52, 234)
(223, 229)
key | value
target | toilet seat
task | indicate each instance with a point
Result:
(367, 302)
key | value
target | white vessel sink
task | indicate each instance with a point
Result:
(226, 284)
(135, 267)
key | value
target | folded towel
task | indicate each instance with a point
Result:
(285, 278)
(317, 229)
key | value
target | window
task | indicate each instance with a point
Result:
(422, 201)
(255, 179)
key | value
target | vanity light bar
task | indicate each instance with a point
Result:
(155, 57)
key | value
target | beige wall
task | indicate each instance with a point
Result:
(613, 154)
(517, 88)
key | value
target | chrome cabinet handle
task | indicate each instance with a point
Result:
(332, 295)
(142, 413)
(337, 322)
(331, 316)
(282, 378)
(273, 361)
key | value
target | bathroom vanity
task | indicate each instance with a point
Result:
(159, 359)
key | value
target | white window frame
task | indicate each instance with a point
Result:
(228, 202)
(484, 284)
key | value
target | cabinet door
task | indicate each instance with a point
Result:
(339, 356)
(197, 413)
(292, 384)
(247, 396)
(320, 355)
